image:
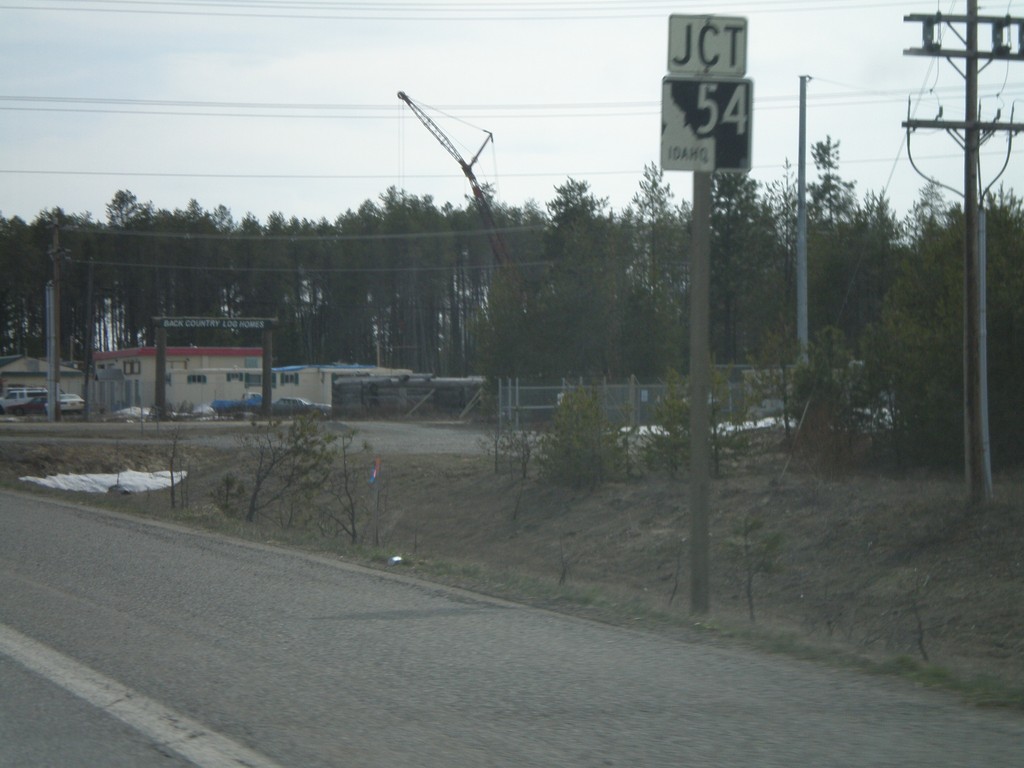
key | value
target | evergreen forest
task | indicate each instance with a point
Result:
(587, 292)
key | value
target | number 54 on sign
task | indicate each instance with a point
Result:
(706, 124)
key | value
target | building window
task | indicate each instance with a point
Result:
(253, 379)
(253, 362)
(196, 378)
(290, 378)
(132, 367)
(236, 376)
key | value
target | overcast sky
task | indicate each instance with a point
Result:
(268, 105)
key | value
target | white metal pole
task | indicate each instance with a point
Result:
(801, 224)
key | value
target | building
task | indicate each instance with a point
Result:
(23, 371)
(126, 378)
(200, 375)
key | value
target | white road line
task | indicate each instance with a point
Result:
(170, 729)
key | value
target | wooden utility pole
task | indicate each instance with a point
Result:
(975, 455)
(53, 354)
(89, 341)
(970, 133)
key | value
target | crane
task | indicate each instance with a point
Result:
(497, 243)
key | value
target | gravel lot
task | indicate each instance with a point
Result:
(441, 437)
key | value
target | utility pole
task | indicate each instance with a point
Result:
(971, 133)
(53, 353)
(801, 224)
(89, 340)
(975, 456)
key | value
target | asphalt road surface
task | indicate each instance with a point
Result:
(125, 642)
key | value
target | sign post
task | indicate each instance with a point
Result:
(700, 394)
(706, 117)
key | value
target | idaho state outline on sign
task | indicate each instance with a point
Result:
(685, 146)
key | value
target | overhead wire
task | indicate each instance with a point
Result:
(239, 237)
(415, 12)
(448, 268)
(463, 113)
(265, 237)
(852, 96)
(370, 177)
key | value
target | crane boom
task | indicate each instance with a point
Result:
(483, 204)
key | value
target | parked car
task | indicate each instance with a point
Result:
(251, 403)
(17, 396)
(70, 403)
(298, 406)
(39, 405)
(29, 407)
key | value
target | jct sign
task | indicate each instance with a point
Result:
(705, 124)
(707, 45)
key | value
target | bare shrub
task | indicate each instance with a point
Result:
(757, 552)
(347, 508)
(513, 452)
(515, 449)
(229, 494)
(287, 468)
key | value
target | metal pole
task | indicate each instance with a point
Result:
(801, 224)
(700, 386)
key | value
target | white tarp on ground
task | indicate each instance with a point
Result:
(128, 481)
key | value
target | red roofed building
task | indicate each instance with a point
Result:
(126, 378)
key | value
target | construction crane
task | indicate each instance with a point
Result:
(497, 243)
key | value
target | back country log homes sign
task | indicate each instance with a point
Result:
(217, 323)
(264, 324)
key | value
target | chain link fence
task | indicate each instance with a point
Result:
(524, 406)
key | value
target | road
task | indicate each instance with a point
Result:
(129, 642)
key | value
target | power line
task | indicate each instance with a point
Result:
(854, 94)
(298, 176)
(292, 238)
(382, 177)
(404, 11)
(315, 270)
